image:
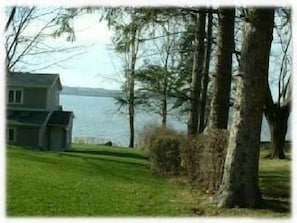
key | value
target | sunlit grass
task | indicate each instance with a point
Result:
(113, 181)
(88, 182)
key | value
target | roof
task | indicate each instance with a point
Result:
(60, 118)
(40, 80)
(27, 117)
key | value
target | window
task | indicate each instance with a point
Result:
(15, 96)
(11, 135)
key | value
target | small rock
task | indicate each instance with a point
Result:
(109, 143)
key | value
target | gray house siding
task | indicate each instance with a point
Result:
(35, 98)
(27, 136)
(53, 97)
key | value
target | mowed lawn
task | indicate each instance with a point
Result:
(109, 181)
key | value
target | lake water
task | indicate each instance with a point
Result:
(97, 120)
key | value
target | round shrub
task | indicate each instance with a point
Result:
(162, 146)
(165, 155)
(191, 153)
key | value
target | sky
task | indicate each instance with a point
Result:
(98, 66)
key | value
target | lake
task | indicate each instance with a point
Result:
(98, 120)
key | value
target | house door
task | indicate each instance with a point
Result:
(57, 139)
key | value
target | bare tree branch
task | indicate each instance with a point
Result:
(27, 34)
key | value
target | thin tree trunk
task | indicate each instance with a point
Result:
(197, 73)
(206, 72)
(131, 86)
(225, 46)
(165, 88)
(240, 179)
(164, 105)
(10, 18)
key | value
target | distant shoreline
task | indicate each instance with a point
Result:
(95, 92)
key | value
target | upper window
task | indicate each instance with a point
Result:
(15, 96)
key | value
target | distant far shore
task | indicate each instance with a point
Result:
(97, 92)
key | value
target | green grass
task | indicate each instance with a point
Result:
(110, 181)
(275, 185)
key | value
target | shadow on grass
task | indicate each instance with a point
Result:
(276, 187)
(117, 168)
(276, 204)
(36, 157)
(91, 156)
(43, 157)
(110, 153)
(275, 184)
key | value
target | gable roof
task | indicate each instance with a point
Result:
(27, 117)
(40, 80)
(61, 118)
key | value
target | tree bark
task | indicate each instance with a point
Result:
(240, 179)
(219, 110)
(197, 74)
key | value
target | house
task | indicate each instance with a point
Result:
(34, 116)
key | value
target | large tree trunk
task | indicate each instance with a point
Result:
(206, 72)
(197, 73)
(240, 179)
(219, 111)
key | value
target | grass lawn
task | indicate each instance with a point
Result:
(110, 181)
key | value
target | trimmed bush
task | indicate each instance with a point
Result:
(203, 158)
(191, 153)
(165, 155)
(162, 146)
